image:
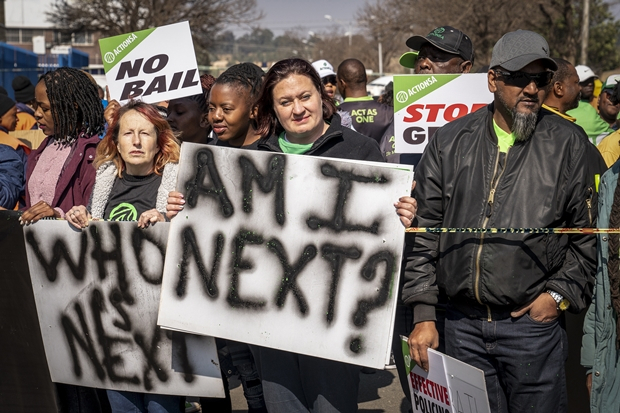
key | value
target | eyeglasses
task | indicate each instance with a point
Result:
(522, 79)
(329, 79)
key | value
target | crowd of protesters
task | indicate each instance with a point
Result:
(491, 301)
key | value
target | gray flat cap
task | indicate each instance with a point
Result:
(515, 50)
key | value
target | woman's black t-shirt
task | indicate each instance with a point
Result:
(131, 196)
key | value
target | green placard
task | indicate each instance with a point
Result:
(410, 88)
(114, 49)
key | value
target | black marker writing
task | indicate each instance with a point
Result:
(345, 182)
(190, 247)
(289, 277)
(336, 256)
(137, 240)
(369, 271)
(266, 183)
(60, 251)
(205, 165)
(239, 264)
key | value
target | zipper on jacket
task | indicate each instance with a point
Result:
(589, 203)
(489, 211)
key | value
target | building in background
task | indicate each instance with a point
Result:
(27, 28)
(29, 38)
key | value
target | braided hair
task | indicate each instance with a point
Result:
(245, 75)
(74, 103)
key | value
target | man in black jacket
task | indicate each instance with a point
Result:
(507, 166)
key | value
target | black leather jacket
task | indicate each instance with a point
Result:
(463, 181)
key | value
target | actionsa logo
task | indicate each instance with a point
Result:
(402, 96)
(109, 57)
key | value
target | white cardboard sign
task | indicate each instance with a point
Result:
(97, 295)
(424, 103)
(292, 252)
(152, 65)
(450, 386)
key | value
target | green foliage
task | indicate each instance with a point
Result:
(603, 53)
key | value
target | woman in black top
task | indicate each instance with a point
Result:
(136, 168)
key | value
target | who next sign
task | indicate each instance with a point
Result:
(152, 65)
(424, 103)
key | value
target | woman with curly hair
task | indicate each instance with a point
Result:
(60, 171)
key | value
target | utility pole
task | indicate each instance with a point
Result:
(585, 32)
(2, 23)
(380, 58)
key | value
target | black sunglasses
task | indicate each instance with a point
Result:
(329, 79)
(522, 79)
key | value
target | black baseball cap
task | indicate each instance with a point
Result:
(448, 39)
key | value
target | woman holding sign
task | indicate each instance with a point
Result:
(136, 168)
(295, 115)
(60, 171)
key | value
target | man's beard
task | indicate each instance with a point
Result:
(523, 124)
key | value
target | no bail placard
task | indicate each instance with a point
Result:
(151, 65)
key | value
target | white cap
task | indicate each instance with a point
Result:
(584, 73)
(611, 81)
(323, 68)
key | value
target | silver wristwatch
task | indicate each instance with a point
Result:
(562, 303)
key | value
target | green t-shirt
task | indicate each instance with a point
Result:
(504, 139)
(294, 148)
(591, 122)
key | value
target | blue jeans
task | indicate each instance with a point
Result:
(131, 402)
(522, 359)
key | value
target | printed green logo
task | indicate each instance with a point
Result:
(114, 49)
(124, 212)
(410, 88)
(437, 32)
(409, 364)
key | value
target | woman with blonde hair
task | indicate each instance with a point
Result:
(136, 166)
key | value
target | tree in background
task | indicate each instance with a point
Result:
(486, 21)
(560, 22)
(262, 47)
(113, 17)
(603, 50)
